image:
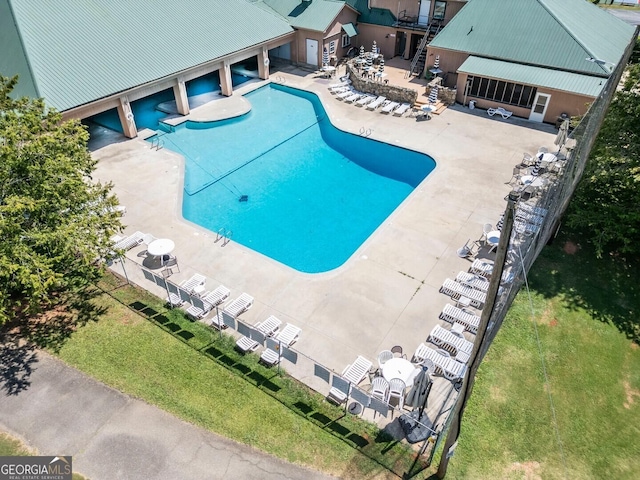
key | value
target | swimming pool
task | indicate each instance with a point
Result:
(290, 185)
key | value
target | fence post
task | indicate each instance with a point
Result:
(479, 347)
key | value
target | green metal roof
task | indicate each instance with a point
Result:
(15, 63)
(82, 50)
(530, 75)
(552, 33)
(350, 29)
(317, 15)
(376, 16)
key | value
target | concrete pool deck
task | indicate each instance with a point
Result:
(387, 293)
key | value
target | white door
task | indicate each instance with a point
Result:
(312, 52)
(540, 105)
(423, 15)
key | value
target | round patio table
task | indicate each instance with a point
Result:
(400, 368)
(160, 247)
(493, 238)
(532, 180)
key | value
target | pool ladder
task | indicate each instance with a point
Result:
(224, 235)
(365, 132)
(157, 143)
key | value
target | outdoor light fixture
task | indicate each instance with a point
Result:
(602, 63)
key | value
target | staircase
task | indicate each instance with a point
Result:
(419, 59)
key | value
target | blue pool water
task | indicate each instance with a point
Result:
(315, 193)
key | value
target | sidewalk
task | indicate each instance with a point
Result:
(113, 436)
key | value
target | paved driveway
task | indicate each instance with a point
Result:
(113, 436)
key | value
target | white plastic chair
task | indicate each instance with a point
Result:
(396, 390)
(380, 389)
(384, 356)
(486, 228)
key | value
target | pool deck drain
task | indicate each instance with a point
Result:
(387, 293)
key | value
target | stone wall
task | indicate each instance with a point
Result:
(445, 95)
(391, 92)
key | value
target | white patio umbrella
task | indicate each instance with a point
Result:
(436, 66)
(325, 57)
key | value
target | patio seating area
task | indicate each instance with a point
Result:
(394, 309)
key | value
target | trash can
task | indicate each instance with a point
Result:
(472, 104)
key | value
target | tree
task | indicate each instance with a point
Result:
(55, 222)
(606, 205)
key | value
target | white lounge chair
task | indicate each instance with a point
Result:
(389, 107)
(345, 94)
(365, 100)
(240, 305)
(354, 97)
(173, 299)
(401, 109)
(456, 290)
(215, 321)
(449, 341)
(195, 284)
(129, 242)
(336, 90)
(286, 337)
(344, 83)
(289, 335)
(269, 326)
(353, 374)
(453, 314)
(481, 268)
(245, 344)
(376, 103)
(450, 368)
(500, 111)
(476, 281)
(200, 307)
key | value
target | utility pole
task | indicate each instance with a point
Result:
(479, 347)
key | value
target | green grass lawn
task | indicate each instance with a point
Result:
(170, 362)
(586, 315)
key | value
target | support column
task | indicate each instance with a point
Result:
(263, 64)
(180, 94)
(225, 79)
(126, 119)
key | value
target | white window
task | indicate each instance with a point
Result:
(346, 40)
(332, 47)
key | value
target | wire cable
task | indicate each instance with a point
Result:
(544, 369)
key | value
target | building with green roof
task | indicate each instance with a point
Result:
(537, 58)
(398, 26)
(87, 56)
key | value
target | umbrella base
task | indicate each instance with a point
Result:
(414, 431)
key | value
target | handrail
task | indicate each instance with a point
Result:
(416, 57)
